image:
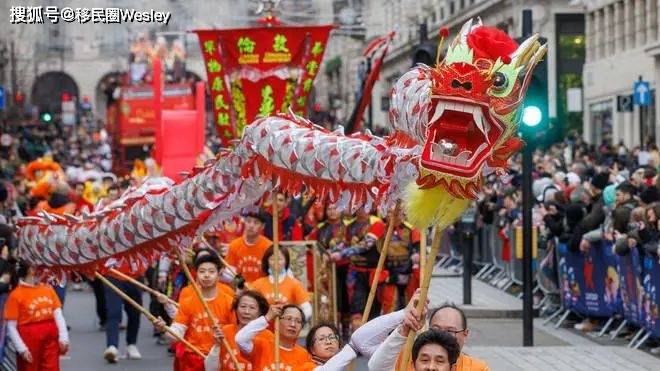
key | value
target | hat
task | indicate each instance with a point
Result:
(573, 178)
(609, 195)
(649, 195)
(539, 186)
(259, 215)
(600, 180)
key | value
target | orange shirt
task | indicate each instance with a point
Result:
(247, 258)
(308, 366)
(199, 331)
(230, 334)
(464, 363)
(291, 290)
(189, 291)
(28, 304)
(263, 358)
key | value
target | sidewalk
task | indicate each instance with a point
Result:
(496, 335)
(487, 301)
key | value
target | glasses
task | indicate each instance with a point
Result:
(327, 339)
(449, 330)
(290, 319)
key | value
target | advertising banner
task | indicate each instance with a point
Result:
(589, 281)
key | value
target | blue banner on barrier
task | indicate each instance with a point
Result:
(3, 325)
(630, 273)
(650, 283)
(589, 281)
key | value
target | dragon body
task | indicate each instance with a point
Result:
(451, 123)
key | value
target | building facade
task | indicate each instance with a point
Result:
(81, 57)
(623, 44)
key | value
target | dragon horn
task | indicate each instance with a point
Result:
(462, 35)
(533, 61)
(522, 55)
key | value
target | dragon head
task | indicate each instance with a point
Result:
(464, 111)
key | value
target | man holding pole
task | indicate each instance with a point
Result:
(192, 322)
(446, 318)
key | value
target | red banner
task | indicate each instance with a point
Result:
(260, 71)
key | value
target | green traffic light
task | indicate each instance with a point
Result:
(46, 117)
(532, 116)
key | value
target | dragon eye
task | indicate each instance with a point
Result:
(499, 81)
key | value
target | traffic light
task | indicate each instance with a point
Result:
(424, 53)
(535, 117)
(46, 117)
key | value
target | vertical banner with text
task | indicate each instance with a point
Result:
(259, 72)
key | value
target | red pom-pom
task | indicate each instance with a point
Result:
(444, 32)
(491, 43)
(506, 59)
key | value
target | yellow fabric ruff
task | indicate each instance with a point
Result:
(426, 207)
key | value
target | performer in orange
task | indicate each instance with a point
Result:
(248, 306)
(188, 291)
(245, 252)
(291, 291)
(260, 350)
(191, 321)
(35, 324)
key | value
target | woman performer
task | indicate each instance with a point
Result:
(35, 324)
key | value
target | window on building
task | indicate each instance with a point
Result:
(442, 13)
(451, 8)
(600, 120)
(571, 46)
(462, 4)
(434, 17)
(570, 54)
(609, 30)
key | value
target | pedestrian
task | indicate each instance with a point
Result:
(35, 323)
(114, 304)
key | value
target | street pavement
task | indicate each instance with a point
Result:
(496, 340)
(88, 343)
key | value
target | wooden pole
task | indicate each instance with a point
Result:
(435, 249)
(333, 289)
(198, 291)
(381, 263)
(150, 316)
(317, 283)
(276, 286)
(141, 285)
(422, 254)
